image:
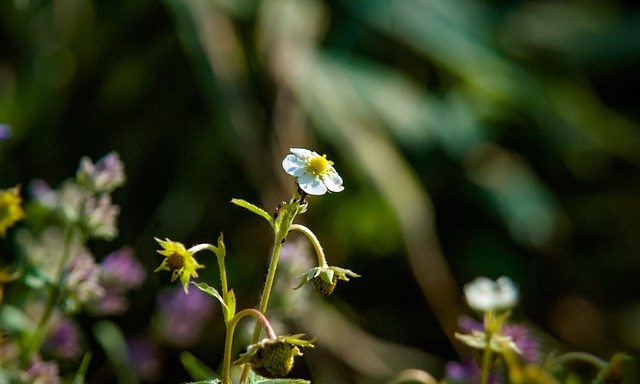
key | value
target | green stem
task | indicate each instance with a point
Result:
(219, 257)
(281, 229)
(230, 330)
(52, 297)
(486, 357)
(581, 357)
(322, 261)
(268, 285)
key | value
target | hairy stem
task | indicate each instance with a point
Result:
(281, 229)
(322, 261)
(230, 330)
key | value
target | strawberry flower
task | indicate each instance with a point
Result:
(483, 294)
(315, 173)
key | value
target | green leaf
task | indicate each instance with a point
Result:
(14, 319)
(254, 378)
(255, 209)
(206, 288)
(205, 382)
(112, 340)
(197, 369)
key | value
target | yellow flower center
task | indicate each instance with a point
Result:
(319, 165)
(175, 261)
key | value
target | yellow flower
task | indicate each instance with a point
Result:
(179, 260)
(10, 209)
(7, 275)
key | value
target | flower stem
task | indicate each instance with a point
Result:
(322, 261)
(52, 297)
(486, 356)
(281, 230)
(219, 257)
(230, 330)
(581, 357)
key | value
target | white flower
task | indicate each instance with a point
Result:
(315, 173)
(483, 294)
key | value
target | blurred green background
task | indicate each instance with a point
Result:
(474, 137)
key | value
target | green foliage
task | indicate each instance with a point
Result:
(253, 208)
(113, 342)
(228, 304)
(257, 379)
(197, 369)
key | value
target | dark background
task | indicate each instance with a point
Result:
(475, 138)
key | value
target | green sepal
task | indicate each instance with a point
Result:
(230, 300)
(197, 369)
(221, 250)
(253, 208)
(206, 288)
(326, 273)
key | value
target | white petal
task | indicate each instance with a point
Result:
(294, 165)
(311, 184)
(333, 182)
(302, 153)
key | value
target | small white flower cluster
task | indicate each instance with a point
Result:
(483, 294)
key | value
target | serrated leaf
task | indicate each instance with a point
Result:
(254, 378)
(197, 369)
(206, 288)
(253, 208)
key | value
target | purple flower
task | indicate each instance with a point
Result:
(81, 279)
(120, 273)
(105, 176)
(120, 268)
(5, 132)
(183, 316)
(145, 358)
(64, 341)
(520, 335)
(101, 217)
(467, 372)
(41, 372)
(528, 344)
